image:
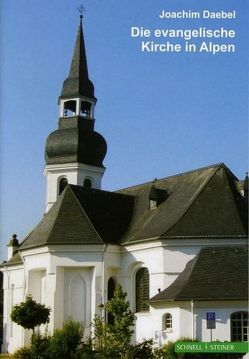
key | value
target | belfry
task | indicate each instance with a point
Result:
(74, 153)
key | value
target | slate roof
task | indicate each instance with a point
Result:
(197, 204)
(16, 259)
(201, 203)
(75, 140)
(82, 216)
(216, 273)
(77, 82)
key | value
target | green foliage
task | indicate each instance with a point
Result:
(23, 353)
(113, 340)
(30, 314)
(65, 342)
(168, 351)
(99, 332)
(40, 346)
(119, 334)
(142, 350)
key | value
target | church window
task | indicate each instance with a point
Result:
(62, 184)
(239, 327)
(167, 321)
(87, 183)
(111, 288)
(142, 290)
(110, 293)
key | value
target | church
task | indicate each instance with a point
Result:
(176, 245)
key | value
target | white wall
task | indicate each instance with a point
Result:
(49, 272)
(223, 312)
(13, 286)
(150, 325)
(75, 174)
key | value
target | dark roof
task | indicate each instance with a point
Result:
(216, 273)
(83, 216)
(78, 82)
(75, 141)
(201, 203)
(197, 204)
(16, 259)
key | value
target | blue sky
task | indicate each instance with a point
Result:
(161, 113)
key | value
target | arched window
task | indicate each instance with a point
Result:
(142, 290)
(62, 184)
(239, 327)
(167, 321)
(111, 286)
(87, 183)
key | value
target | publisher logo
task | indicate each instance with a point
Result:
(211, 347)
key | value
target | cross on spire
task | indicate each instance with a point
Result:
(81, 10)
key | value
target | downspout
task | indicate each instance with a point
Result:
(193, 319)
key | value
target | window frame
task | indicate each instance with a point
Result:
(239, 321)
(60, 189)
(167, 327)
(140, 303)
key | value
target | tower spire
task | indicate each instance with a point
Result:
(78, 83)
(75, 152)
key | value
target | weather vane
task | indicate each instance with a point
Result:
(81, 10)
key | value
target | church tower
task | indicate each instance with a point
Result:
(74, 153)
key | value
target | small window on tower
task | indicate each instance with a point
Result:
(69, 108)
(87, 183)
(62, 184)
(85, 109)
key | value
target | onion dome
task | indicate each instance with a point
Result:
(75, 141)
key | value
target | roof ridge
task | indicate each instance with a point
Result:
(87, 217)
(191, 264)
(234, 188)
(195, 196)
(218, 165)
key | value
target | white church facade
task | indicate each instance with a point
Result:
(177, 246)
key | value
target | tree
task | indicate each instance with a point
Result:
(30, 314)
(66, 341)
(114, 338)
